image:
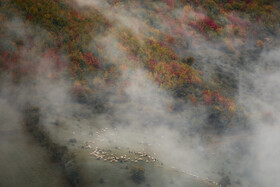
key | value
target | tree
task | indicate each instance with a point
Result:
(189, 61)
(211, 7)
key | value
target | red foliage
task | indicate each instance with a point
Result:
(175, 68)
(161, 44)
(90, 60)
(208, 97)
(29, 17)
(205, 24)
(193, 100)
(230, 1)
(170, 39)
(209, 22)
(6, 59)
(151, 42)
(151, 64)
(16, 65)
(216, 98)
(170, 3)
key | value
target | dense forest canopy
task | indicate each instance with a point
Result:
(160, 36)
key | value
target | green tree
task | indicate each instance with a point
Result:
(211, 7)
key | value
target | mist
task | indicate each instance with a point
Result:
(128, 114)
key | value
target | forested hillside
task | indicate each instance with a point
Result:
(163, 39)
(189, 65)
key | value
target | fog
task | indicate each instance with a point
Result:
(262, 102)
(142, 116)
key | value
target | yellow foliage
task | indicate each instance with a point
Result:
(217, 108)
(260, 43)
(123, 67)
(188, 8)
(230, 45)
(231, 108)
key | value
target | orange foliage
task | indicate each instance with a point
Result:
(193, 100)
(175, 74)
(170, 109)
(78, 88)
(211, 98)
(208, 97)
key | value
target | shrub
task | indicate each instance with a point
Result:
(138, 174)
(228, 6)
(211, 7)
(59, 154)
(189, 61)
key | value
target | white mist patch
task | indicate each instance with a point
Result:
(23, 162)
(143, 123)
(262, 100)
(54, 97)
(267, 155)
